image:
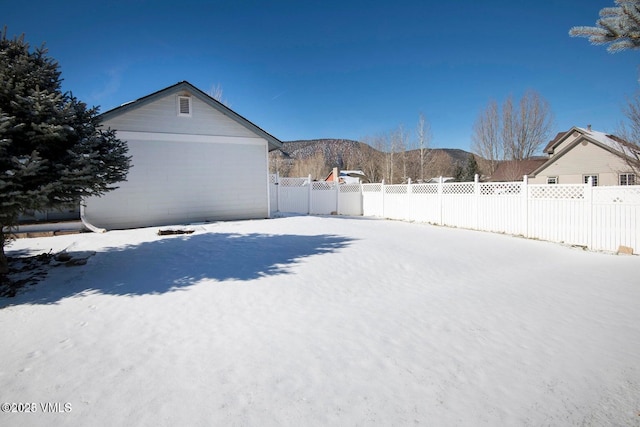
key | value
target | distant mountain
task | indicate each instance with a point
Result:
(350, 154)
(334, 150)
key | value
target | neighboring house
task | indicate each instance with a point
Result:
(346, 177)
(515, 170)
(580, 154)
(187, 149)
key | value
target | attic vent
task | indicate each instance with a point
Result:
(184, 106)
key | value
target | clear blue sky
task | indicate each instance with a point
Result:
(338, 69)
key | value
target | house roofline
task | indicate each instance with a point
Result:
(273, 142)
(583, 134)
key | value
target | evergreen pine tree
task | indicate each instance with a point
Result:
(52, 149)
(467, 173)
(471, 168)
(619, 26)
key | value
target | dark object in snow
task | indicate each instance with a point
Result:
(171, 232)
(25, 271)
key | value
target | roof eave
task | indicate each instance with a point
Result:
(273, 142)
(572, 145)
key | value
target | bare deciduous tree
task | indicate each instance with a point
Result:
(280, 163)
(216, 93)
(423, 132)
(520, 133)
(531, 126)
(372, 163)
(315, 165)
(394, 146)
(353, 157)
(629, 133)
(399, 138)
(486, 136)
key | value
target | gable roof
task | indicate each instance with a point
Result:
(274, 143)
(610, 143)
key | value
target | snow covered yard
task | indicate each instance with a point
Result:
(324, 321)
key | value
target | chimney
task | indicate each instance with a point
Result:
(335, 175)
(589, 128)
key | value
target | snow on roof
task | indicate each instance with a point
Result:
(610, 141)
(351, 176)
(347, 173)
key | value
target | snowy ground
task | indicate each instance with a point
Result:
(305, 321)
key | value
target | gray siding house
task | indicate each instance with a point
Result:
(581, 154)
(187, 149)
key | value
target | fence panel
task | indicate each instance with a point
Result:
(323, 198)
(293, 195)
(396, 202)
(457, 206)
(600, 218)
(425, 203)
(350, 199)
(558, 213)
(372, 200)
(294, 199)
(501, 207)
(615, 216)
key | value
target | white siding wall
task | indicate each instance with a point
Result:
(161, 116)
(182, 178)
(203, 166)
(567, 142)
(583, 160)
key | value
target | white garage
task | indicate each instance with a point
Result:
(193, 159)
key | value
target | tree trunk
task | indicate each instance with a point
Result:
(4, 264)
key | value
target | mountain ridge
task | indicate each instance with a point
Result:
(319, 156)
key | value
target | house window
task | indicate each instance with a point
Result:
(627, 179)
(594, 181)
(552, 180)
(184, 106)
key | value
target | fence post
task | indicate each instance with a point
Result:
(440, 196)
(382, 198)
(476, 201)
(337, 184)
(588, 204)
(410, 216)
(361, 199)
(525, 205)
(310, 195)
(277, 179)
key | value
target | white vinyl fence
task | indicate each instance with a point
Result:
(598, 218)
(302, 195)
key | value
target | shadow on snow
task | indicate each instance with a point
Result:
(176, 262)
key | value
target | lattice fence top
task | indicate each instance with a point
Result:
(272, 179)
(424, 189)
(500, 188)
(323, 185)
(556, 191)
(396, 189)
(294, 182)
(458, 188)
(371, 188)
(349, 188)
(623, 195)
